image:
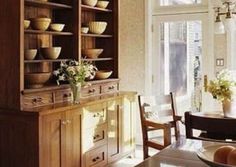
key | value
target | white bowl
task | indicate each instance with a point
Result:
(84, 30)
(40, 23)
(102, 4)
(90, 2)
(57, 27)
(103, 74)
(97, 27)
(91, 53)
(30, 54)
(51, 52)
(26, 24)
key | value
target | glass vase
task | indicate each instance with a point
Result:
(75, 89)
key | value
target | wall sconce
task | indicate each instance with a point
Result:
(229, 23)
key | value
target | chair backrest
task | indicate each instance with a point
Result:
(155, 108)
(213, 127)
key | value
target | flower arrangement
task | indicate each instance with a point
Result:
(74, 72)
(223, 87)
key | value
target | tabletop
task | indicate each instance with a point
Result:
(180, 154)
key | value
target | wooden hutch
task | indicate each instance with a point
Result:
(40, 127)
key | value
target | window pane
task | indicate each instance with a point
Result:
(178, 2)
(181, 46)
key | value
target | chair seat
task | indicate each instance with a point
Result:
(162, 120)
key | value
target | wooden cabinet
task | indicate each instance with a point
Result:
(16, 41)
(114, 109)
(94, 133)
(60, 139)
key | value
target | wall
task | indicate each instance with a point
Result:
(132, 51)
(132, 45)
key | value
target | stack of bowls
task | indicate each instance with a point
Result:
(97, 27)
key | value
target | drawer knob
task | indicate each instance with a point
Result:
(95, 159)
(37, 100)
(111, 87)
(63, 122)
(92, 90)
(96, 136)
(66, 95)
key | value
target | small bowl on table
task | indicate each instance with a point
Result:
(103, 74)
(37, 80)
(41, 23)
(30, 54)
(91, 53)
(26, 24)
(57, 27)
(102, 4)
(50, 52)
(90, 2)
(97, 27)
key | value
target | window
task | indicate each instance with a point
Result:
(178, 2)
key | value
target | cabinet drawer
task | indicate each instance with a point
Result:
(91, 91)
(97, 157)
(35, 100)
(63, 96)
(109, 87)
(94, 137)
(94, 115)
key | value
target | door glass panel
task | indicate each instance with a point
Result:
(180, 57)
(179, 2)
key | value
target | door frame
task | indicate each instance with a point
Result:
(207, 47)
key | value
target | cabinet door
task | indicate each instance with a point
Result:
(51, 145)
(114, 145)
(72, 138)
(128, 124)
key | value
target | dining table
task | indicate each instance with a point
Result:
(182, 153)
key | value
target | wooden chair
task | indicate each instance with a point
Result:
(212, 127)
(153, 112)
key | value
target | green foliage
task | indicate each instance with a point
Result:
(222, 88)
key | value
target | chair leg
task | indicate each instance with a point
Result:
(145, 152)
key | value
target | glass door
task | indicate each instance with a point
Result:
(179, 57)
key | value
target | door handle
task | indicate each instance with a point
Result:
(205, 82)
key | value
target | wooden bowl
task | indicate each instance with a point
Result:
(30, 54)
(26, 24)
(50, 52)
(97, 27)
(91, 53)
(84, 30)
(36, 80)
(103, 74)
(90, 2)
(102, 4)
(57, 27)
(40, 23)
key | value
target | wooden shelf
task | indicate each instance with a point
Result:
(47, 32)
(98, 59)
(97, 35)
(43, 4)
(95, 9)
(45, 60)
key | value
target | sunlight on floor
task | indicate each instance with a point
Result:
(131, 162)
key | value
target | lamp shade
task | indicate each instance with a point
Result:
(229, 24)
(219, 28)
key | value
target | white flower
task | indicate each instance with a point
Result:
(61, 77)
(56, 72)
(71, 70)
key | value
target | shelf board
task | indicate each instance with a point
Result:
(47, 32)
(96, 35)
(46, 88)
(51, 5)
(95, 9)
(98, 59)
(45, 60)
